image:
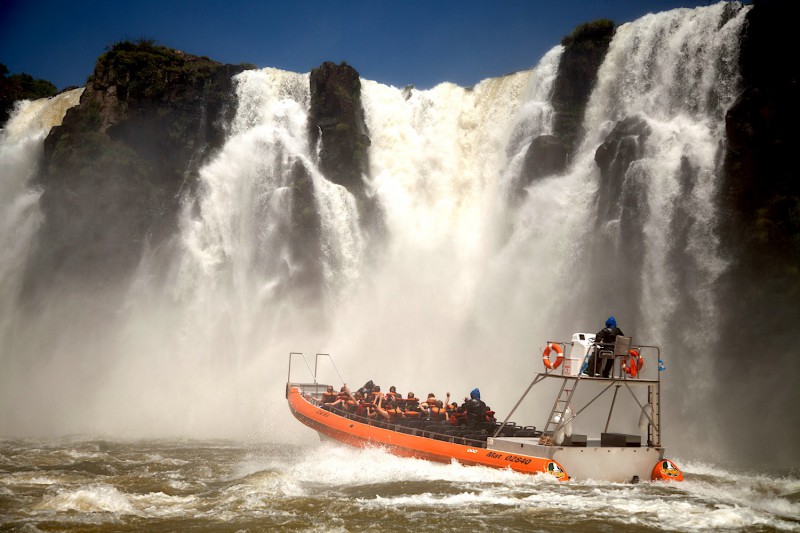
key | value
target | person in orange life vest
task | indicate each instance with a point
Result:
(329, 396)
(412, 405)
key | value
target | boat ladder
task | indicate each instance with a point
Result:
(557, 419)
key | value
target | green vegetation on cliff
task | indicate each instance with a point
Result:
(150, 70)
(20, 87)
(590, 35)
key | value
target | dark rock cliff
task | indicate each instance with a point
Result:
(760, 196)
(623, 146)
(546, 156)
(584, 51)
(336, 121)
(114, 170)
(336, 125)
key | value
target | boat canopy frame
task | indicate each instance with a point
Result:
(315, 385)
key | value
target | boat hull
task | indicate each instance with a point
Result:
(362, 435)
(615, 464)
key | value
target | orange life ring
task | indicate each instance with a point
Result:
(546, 356)
(633, 364)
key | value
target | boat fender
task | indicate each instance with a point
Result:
(558, 438)
(646, 416)
(551, 346)
(568, 424)
(665, 470)
(633, 364)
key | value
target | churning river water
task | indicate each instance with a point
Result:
(91, 484)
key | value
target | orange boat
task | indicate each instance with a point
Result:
(555, 450)
(405, 441)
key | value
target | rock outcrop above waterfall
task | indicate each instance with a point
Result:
(336, 125)
(114, 170)
(584, 51)
(336, 121)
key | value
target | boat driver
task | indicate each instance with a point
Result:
(604, 340)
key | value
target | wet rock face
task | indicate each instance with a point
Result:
(623, 146)
(336, 121)
(760, 201)
(616, 249)
(114, 171)
(546, 156)
(761, 183)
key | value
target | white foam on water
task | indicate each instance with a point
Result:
(95, 498)
(768, 494)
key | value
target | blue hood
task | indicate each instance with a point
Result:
(475, 394)
(611, 322)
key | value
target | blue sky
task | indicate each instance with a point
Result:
(394, 42)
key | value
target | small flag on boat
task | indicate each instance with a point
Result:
(661, 365)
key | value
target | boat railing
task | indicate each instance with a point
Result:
(399, 425)
(563, 412)
(651, 357)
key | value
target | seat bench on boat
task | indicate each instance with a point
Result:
(575, 440)
(621, 440)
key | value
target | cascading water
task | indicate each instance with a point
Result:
(20, 148)
(438, 168)
(654, 247)
(464, 282)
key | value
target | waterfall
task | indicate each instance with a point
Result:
(440, 161)
(665, 84)
(20, 149)
(464, 286)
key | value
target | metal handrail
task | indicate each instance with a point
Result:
(316, 362)
(301, 354)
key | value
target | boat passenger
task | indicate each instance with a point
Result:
(604, 340)
(476, 410)
(437, 409)
(412, 408)
(389, 408)
(393, 393)
(329, 396)
(374, 403)
(361, 407)
(456, 415)
(426, 406)
(344, 399)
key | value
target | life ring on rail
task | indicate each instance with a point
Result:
(551, 346)
(633, 364)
